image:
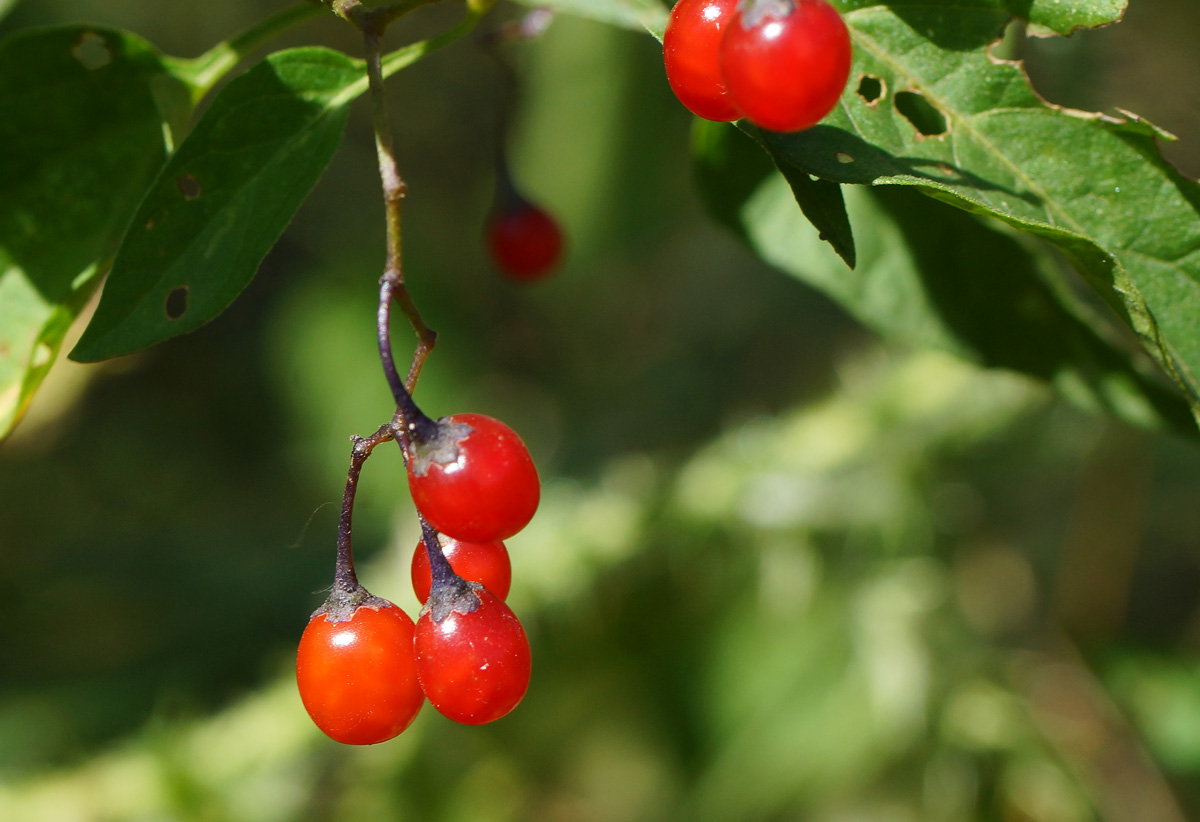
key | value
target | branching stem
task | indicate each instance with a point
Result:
(408, 422)
(203, 72)
(392, 283)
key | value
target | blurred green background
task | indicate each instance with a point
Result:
(782, 570)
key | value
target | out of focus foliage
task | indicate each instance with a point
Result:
(781, 571)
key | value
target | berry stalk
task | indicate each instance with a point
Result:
(348, 594)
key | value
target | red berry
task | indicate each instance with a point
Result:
(690, 53)
(358, 678)
(525, 242)
(786, 62)
(484, 562)
(474, 479)
(474, 667)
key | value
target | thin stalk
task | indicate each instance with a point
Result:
(441, 574)
(448, 592)
(345, 581)
(412, 420)
(392, 285)
(203, 72)
(507, 197)
(406, 56)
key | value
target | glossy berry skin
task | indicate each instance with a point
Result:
(786, 62)
(690, 54)
(475, 480)
(524, 242)
(474, 667)
(358, 679)
(484, 562)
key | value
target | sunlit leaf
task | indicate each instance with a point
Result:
(82, 113)
(223, 199)
(937, 277)
(927, 106)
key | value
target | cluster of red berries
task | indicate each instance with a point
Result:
(364, 668)
(781, 64)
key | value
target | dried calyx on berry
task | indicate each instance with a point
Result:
(448, 592)
(472, 477)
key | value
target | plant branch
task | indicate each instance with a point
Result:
(203, 72)
(392, 285)
(406, 56)
(380, 18)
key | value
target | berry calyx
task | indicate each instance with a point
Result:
(484, 562)
(524, 242)
(358, 676)
(472, 478)
(785, 62)
(474, 665)
(691, 57)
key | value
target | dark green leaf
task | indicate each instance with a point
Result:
(82, 132)
(955, 24)
(725, 187)
(223, 199)
(1094, 186)
(939, 277)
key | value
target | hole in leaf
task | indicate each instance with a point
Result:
(91, 51)
(924, 117)
(870, 88)
(42, 354)
(177, 302)
(844, 158)
(189, 186)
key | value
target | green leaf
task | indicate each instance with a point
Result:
(82, 114)
(952, 23)
(820, 200)
(6, 6)
(943, 115)
(941, 278)
(223, 199)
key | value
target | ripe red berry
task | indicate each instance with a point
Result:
(786, 62)
(690, 54)
(484, 562)
(474, 667)
(358, 678)
(473, 479)
(525, 242)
